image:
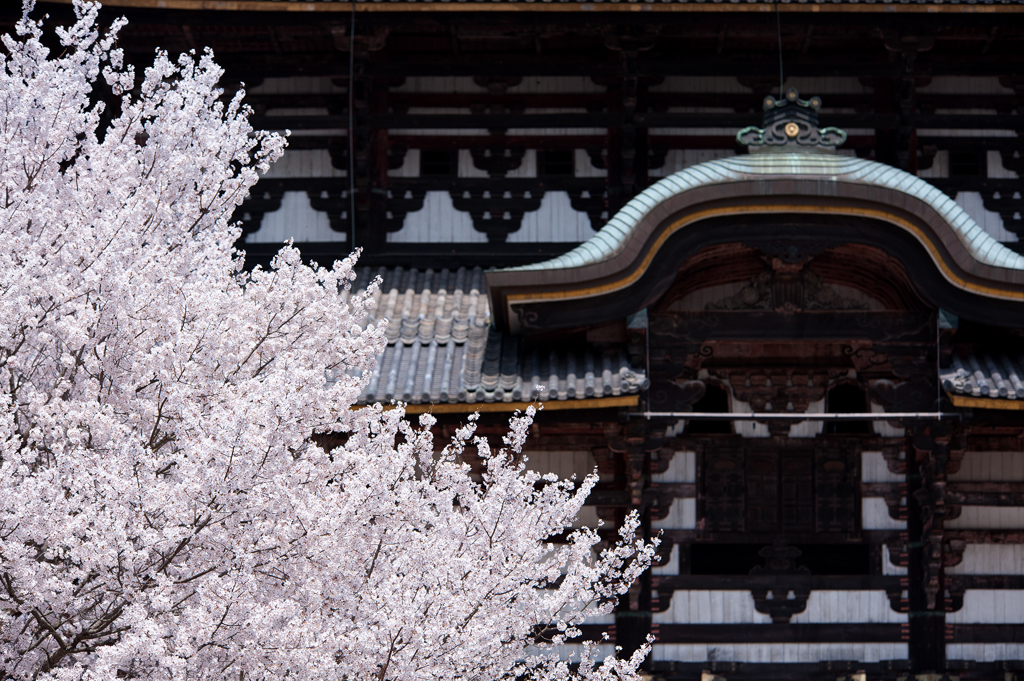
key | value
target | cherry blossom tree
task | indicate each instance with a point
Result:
(166, 511)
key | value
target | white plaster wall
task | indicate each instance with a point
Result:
(990, 559)
(681, 516)
(682, 468)
(875, 515)
(848, 607)
(711, 607)
(994, 466)
(779, 652)
(874, 468)
(988, 518)
(297, 220)
(304, 163)
(990, 606)
(888, 567)
(437, 222)
(556, 220)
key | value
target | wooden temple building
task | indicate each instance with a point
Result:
(785, 322)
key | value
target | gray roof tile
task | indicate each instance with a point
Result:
(443, 349)
(994, 375)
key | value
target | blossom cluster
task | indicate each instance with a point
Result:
(166, 510)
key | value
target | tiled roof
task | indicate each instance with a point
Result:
(442, 348)
(993, 375)
(613, 238)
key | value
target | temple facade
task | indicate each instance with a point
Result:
(784, 321)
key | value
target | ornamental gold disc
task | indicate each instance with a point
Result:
(792, 129)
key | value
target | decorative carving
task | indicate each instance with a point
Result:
(498, 161)
(675, 396)
(756, 295)
(335, 203)
(777, 390)
(780, 559)
(497, 214)
(593, 202)
(913, 395)
(261, 200)
(791, 124)
(400, 202)
(785, 291)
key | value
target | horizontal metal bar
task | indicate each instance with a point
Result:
(775, 416)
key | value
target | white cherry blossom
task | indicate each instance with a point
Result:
(166, 511)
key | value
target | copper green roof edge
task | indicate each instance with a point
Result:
(613, 237)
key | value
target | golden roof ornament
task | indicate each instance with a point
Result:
(791, 126)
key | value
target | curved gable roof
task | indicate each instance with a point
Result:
(615, 235)
(619, 254)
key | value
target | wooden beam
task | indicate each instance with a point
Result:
(987, 633)
(781, 633)
(521, 7)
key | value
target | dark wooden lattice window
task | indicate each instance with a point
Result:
(724, 492)
(779, 491)
(835, 492)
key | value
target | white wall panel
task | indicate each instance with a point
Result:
(996, 170)
(883, 428)
(711, 607)
(939, 168)
(826, 85)
(874, 468)
(526, 169)
(466, 166)
(875, 516)
(557, 85)
(681, 516)
(446, 110)
(809, 428)
(515, 132)
(678, 159)
(671, 566)
(984, 652)
(438, 84)
(682, 468)
(847, 607)
(747, 428)
(297, 220)
(410, 165)
(437, 222)
(304, 163)
(964, 132)
(988, 518)
(555, 220)
(991, 466)
(584, 167)
(965, 85)
(296, 85)
(888, 567)
(702, 84)
(990, 559)
(990, 606)
(779, 652)
(991, 222)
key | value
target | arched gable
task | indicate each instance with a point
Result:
(757, 198)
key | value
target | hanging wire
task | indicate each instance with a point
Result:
(351, 125)
(778, 29)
